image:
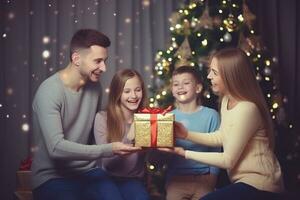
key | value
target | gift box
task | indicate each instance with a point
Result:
(23, 180)
(154, 129)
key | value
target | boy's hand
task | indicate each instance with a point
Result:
(180, 131)
(120, 148)
(176, 150)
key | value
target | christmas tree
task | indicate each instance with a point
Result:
(201, 27)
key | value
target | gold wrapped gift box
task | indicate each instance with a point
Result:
(144, 130)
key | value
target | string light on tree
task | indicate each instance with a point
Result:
(227, 37)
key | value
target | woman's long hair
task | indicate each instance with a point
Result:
(115, 117)
(239, 79)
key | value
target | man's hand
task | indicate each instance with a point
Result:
(120, 148)
(180, 131)
(176, 150)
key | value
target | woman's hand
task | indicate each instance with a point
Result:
(176, 150)
(180, 131)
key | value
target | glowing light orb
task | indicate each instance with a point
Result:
(25, 127)
(46, 54)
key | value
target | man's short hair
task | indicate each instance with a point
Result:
(85, 38)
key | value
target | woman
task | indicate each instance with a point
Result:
(245, 132)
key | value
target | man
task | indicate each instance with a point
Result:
(64, 108)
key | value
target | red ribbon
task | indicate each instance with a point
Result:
(156, 110)
(26, 164)
(153, 121)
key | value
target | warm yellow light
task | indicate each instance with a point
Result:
(241, 18)
(178, 26)
(204, 42)
(151, 167)
(275, 105)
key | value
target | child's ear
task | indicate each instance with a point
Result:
(199, 88)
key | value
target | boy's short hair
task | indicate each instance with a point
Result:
(85, 38)
(190, 70)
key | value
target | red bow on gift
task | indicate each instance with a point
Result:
(153, 121)
(26, 164)
(156, 110)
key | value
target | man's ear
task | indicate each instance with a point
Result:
(199, 88)
(76, 58)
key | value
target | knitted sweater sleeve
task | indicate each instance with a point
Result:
(46, 109)
(235, 136)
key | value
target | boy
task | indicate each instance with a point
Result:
(188, 179)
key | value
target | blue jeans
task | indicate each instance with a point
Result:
(92, 185)
(132, 188)
(241, 191)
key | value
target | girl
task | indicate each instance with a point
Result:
(245, 132)
(127, 95)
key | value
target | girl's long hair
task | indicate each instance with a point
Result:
(115, 117)
(239, 79)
